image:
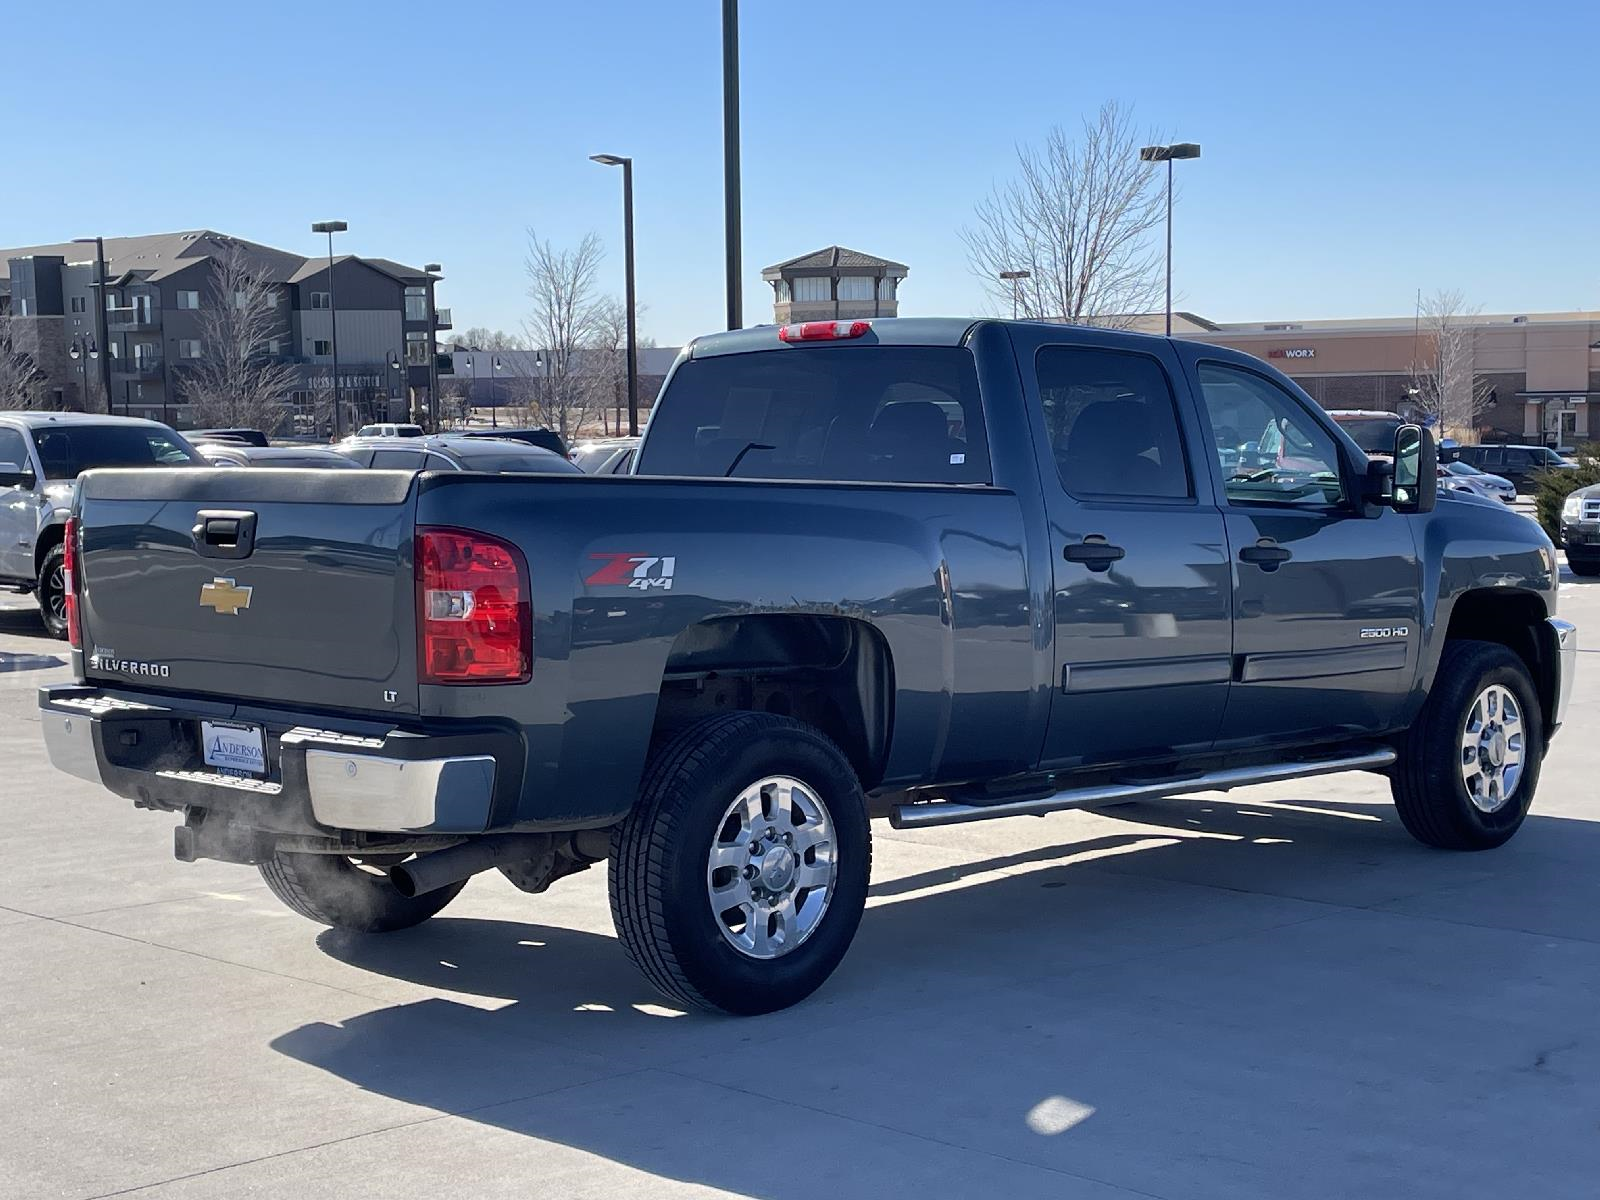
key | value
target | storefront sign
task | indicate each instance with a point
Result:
(1293, 352)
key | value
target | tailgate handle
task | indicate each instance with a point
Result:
(224, 533)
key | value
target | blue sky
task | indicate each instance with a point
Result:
(1352, 152)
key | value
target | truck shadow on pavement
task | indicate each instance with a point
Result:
(1229, 998)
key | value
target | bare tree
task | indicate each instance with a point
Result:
(563, 317)
(480, 337)
(1079, 218)
(19, 377)
(239, 379)
(607, 362)
(1447, 385)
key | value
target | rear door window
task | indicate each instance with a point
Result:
(65, 451)
(878, 414)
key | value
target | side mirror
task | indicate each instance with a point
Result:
(1416, 470)
(15, 475)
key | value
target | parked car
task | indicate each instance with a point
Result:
(822, 599)
(388, 429)
(243, 437)
(224, 454)
(41, 454)
(453, 452)
(1371, 429)
(1461, 476)
(1580, 530)
(605, 456)
(547, 439)
(1519, 464)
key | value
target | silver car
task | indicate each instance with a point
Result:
(1464, 477)
(41, 453)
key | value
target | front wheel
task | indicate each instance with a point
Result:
(1470, 765)
(738, 879)
(51, 591)
(349, 893)
(1586, 567)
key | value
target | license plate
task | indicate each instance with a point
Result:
(234, 748)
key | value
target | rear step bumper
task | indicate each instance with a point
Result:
(920, 814)
(363, 778)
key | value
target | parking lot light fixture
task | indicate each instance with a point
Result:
(1169, 155)
(330, 228)
(618, 160)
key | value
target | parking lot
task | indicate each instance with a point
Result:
(1269, 993)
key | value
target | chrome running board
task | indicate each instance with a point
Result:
(953, 812)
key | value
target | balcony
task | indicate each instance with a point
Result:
(135, 318)
(147, 366)
(442, 319)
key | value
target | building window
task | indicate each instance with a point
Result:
(321, 300)
(22, 307)
(886, 288)
(272, 297)
(810, 289)
(782, 288)
(321, 346)
(274, 346)
(80, 304)
(855, 287)
(417, 349)
(189, 300)
(416, 303)
(188, 347)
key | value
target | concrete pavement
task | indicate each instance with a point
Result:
(1271, 993)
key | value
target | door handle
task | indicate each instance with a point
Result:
(1266, 554)
(1093, 552)
(224, 534)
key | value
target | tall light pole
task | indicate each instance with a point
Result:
(617, 160)
(431, 270)
(330, 228)
(1168, 154)
(730, 159)
(100, 331)
(1016, 278)
(472, 384)
(494, 392)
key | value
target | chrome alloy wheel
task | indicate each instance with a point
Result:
(1492, 748)
(771, 871)
(56, 593)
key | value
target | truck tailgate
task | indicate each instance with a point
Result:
(289, 586)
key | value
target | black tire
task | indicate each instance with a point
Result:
(1429, 791)
(50, 593)
(1581, 567)
(334, 891)
(660, 856)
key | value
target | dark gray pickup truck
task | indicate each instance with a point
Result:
(934, 570)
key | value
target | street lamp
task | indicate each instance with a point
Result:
(81, 352)
(431, 270)
(472, 384)
(100, 319)
(330, 228)
(1168, 154)
(730, 160)
(617, 160)
(1016, 278)
(494, 392)
(395, 389)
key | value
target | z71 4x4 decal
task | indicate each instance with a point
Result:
(641, 571)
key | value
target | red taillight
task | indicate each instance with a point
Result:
(69, 582)
(823, 331)
(474, 618)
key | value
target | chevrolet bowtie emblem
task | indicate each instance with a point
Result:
(226, 597)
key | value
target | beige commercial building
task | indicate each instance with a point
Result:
(834, 284)
(1542, 370)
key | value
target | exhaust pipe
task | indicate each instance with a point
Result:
(430, 872)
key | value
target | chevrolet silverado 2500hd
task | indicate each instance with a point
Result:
(934, 570)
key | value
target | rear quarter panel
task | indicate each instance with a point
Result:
(940, 573)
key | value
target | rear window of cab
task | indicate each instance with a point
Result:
(878, 414)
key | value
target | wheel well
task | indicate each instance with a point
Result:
(832, 672)
(49, 538)
(1515, 620)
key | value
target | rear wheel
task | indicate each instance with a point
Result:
(350, 893)
(738, 879)
(52, 592)
(1471, 762)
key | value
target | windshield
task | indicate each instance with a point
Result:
(589, 457)
(1549, 457)
(1375, 435)
(503, 462)
(1461, 468)
(67, 450)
